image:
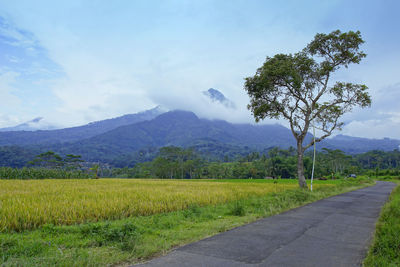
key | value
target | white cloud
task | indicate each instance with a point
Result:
(85, 100)
(113, 65)
(7, 120)
(381, 120)
(9, 101)
(13, 36)
(13, 59)
(7, 97)
(389, 127)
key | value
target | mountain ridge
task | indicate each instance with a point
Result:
(153, 129)
(72, 134)
(185, 129)
(35, 124)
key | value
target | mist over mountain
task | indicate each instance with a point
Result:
(75, 133)
(216, 96)
(354, 145)
(133, 135)
(33, 125)
(185, 129)
(177, 128)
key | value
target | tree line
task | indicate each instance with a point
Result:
(180, 163)
(185, 163)
(50, 165)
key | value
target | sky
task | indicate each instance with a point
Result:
(74, 62)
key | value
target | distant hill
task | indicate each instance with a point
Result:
(354, 145)
(33, 125)
(74, 133)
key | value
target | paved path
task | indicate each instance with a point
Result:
(331, 232)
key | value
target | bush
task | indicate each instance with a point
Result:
(238, 208)
(125, 235)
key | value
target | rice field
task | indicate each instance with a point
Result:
(28, 204)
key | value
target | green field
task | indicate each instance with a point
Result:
(109, 221)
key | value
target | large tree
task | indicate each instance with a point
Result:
(297, 88)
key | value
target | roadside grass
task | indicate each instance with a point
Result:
(385, 249)
(285, 181)
(139, 238)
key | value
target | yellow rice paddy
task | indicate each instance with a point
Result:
(28, 204)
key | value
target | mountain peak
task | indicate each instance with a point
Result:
(217, 96)
(36, 119)
(178, 115)
(156, 110)
(36, 124)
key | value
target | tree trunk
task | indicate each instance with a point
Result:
(300, 166)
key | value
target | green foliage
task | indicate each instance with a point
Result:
(379, 159)
(72, 162)
(47, 165)
(52, 160)
(125, 235)
(48, 159)
(238, 208)
(172, 162)
(192, 211)
(41, 173)
(275, 163)
(95, 171)
(178, 163)
(15, 156)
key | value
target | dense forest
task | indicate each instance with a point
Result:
(175, 162)
(180, 163)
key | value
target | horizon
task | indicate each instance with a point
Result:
(272, 123)
(76, 62)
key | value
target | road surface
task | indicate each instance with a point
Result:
(336, 231)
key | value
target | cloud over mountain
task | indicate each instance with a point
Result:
(216, 96)
(75, 62)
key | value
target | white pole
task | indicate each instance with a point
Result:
(313, 164)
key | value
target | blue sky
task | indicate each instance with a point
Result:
(73, 62)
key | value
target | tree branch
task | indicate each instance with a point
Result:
(327, 133)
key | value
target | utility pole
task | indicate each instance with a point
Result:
(313, 164)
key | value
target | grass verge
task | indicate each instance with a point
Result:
(136, 239)
(385, 250)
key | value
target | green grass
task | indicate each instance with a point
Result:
(139, 238)
(385, 250)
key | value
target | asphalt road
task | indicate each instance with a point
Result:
(336, 231)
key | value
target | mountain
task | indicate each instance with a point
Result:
(216, 96)
(183, 128)
(137, 137)
(75, 133)
(178, 128)
(354, 145)
(33, 125)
